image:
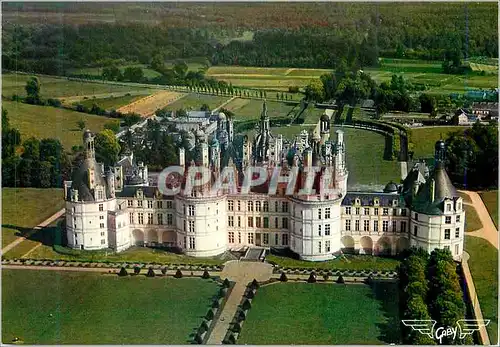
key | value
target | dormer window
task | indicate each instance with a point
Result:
(394, 203)
(448, 207)
(357, 201)
(376, 202)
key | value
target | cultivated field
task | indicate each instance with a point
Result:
(323, 314)
(194, 101)
(424, 139)
(490, 199)
(25, 208)
(51, 87)
(245, 109)
(111, 103)
(483, 265)
(429, 73)
(50, 307)
(97, 71)
(148, 105)
(50, 122)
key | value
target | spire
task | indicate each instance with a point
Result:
(88, 142)
(439, 154)
(263, 115)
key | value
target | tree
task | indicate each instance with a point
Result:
(205, 107)
(123, 272)
(180, 69)
(178, 274)
(107, 147)
(44, 175)
(283, 277)
(205, 275)
(33, 90)
(314, 91)
(150, 273)
(31, 149)
(114, 126)
(112, 73)
(133, 74)
(131, 119)
(81, 124)
(11, 138)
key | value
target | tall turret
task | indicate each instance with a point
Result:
(88, 142)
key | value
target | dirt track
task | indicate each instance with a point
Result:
(148, 105)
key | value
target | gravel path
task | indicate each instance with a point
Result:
(488, 231)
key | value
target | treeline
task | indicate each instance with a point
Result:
(472, 157)
(310, 35)
(430, 289)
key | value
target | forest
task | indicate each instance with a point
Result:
(316, 35)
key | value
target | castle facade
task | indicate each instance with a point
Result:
(119, 208)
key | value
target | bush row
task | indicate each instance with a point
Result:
(335, 272)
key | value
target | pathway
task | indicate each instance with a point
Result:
(224, 104)
(404, 169)
(488, 231)
(242, 273)
(34, 230)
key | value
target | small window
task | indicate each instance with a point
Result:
(415, 230)
(447, 220)
(367, 211)
(101, 207)
(348, 210)
(447, 234)
(457, 233)
(458, 219)
(448, 207)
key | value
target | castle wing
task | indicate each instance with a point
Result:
(424, 326)
(468, 326)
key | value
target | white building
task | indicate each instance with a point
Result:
(119, 209)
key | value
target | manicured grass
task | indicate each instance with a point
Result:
(465, 197)
(424, 139)
(245, 109)
(50, 122)
(323, 314)
(49, 307)
(483, 265)
(348, 262)
(195, 101)
(25, 208)
(134, 254)
(472, 221)
(365, 158)
(57, 87)
(113, 102)
(490, 199)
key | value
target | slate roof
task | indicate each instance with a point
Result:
(149, 192)
(80, 179)
(368, 199)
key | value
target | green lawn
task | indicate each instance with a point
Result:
(50, 122)
(25, 208)
(365, 158)
(195, 101)
(465, 197)
(424, 139)
(49, 307)
(323, 314)
(483, 265)
(350, 262)
(472, 221)
(57, 87)
(112, 102)
(245, 109)
(490, 199)
(135, 254)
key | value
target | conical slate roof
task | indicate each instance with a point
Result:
(81, 179)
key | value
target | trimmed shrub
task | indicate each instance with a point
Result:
(204, 325)
(340, 279)
(283, 277)
(230, 340)
(222, 292)
(164, 270)
(137, 270)
(250, 294)
(241, 316)
(325, 277)
(226, 283)
(123, 272)
(215, 304)
(312, 278)
(236, 328)
(178, 274)
(246, 305)
(209, 315)
(198, 339)
(205, 275)
(150, 273)
(254, 284)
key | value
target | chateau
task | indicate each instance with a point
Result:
(118, 208)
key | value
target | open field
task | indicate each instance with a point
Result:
(365, 158)
(50, 307)
(424, 139)
(323, 314)
(194, 101)
(245, 109)
(25, 208)
(148, 105)
(349, 262)
(490, 199)
(472, 221)
(483, 265)
(50, 122)
(112, 103)
(416, 71)
(51, 87)
(97, 71)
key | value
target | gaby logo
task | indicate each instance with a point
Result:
(464, 327)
